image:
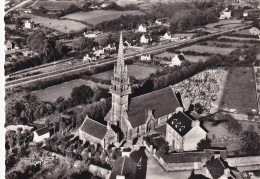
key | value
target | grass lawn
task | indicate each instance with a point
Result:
(55, 5)
(138, 71)
(63, 26)
(208, 49)
(243, 32)
(52, 93)
(98, 16)
(239, 93)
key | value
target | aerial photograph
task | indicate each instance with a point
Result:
(131, 89)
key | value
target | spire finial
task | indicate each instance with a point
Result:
(120, 58)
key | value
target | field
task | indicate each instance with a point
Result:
(190, 58)
(52, 93)
(55, 5)
(98, 16)
(239, 38)
(207, 49)
(243, 32)
(139, 72)
(231, 44)
(63, 26)
(239, 93)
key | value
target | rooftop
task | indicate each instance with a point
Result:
(216, 167)
(42, 131)
(162, 102)
(181, 123)
(94, 128)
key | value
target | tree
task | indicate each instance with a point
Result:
(81, 95)
(251, 141)
(204, 144)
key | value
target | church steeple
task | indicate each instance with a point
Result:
(120, 86)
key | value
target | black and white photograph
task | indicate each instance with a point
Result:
(130, 89)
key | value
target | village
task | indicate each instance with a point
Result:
(114, 89)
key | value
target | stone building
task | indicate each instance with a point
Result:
(97, 133)
(183, 133)
(137, 116)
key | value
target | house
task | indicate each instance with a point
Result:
(225, 14)
(110, 47)
(146, 57)
(183, 133)
(89, 58)
(98, 51)
(41, 134)
(145, 39)
(255, 31)
(28, 24)
(28, 11)
(96, 133)
(141, 28)
(140, 115)
(177, 60)
(90, 34)
(124, 168)
(251, 14)
(9, 45)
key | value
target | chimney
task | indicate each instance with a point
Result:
(217, 155)
(227, 172)
(126, 152)
(178, 109)
(120, 177)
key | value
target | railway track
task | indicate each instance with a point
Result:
(82, 66)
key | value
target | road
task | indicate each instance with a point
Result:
(77, 67)
(17, 6)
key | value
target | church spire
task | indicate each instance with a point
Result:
(120, 57)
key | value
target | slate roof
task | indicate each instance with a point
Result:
(42, 131)
(181, 123)
(162, 101)
(94, 128)
(124, 166)
(216, 167)
(185, 157)
(181, 57)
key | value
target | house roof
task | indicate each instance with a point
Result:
(94, 128)
(42, 131)
(162, 102)
(216, 167)
(181, 57)
(185, 157)
(181, 123)
(124, 166)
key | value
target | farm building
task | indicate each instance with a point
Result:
(183, 133)
(146, 57)
(177, 60)
(110, 47)
(90, 34)
(255, 31)
(97, 133)
(166, 36)
(141, 28)
(89, 58)
(41, 134)
(9, 45)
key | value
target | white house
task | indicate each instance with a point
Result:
(225, 14)
(255, 31)
(89, 58)
(183, 133)
(41, 134)
(141, 28)
(9, 46)
(28, 11)
(90, 34)
(145, 39)
(28, 24)
(177, 60)
(98, 51)
(146, 57)
(110, 47)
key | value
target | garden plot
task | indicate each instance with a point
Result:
(62, 90)
(204, 88)
(138, 71)
(98, 16)
(207, 49)
(239, 93)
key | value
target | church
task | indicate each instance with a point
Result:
(138, 116)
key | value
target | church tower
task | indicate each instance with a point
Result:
(120, 88)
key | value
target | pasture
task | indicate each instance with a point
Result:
(138, 71)
(62, 25)
(230, 44)
(207, 49)
(55, 5)
(190, 58)
(239, 93)
(62, 90)
(239, 38)
(97, 16)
